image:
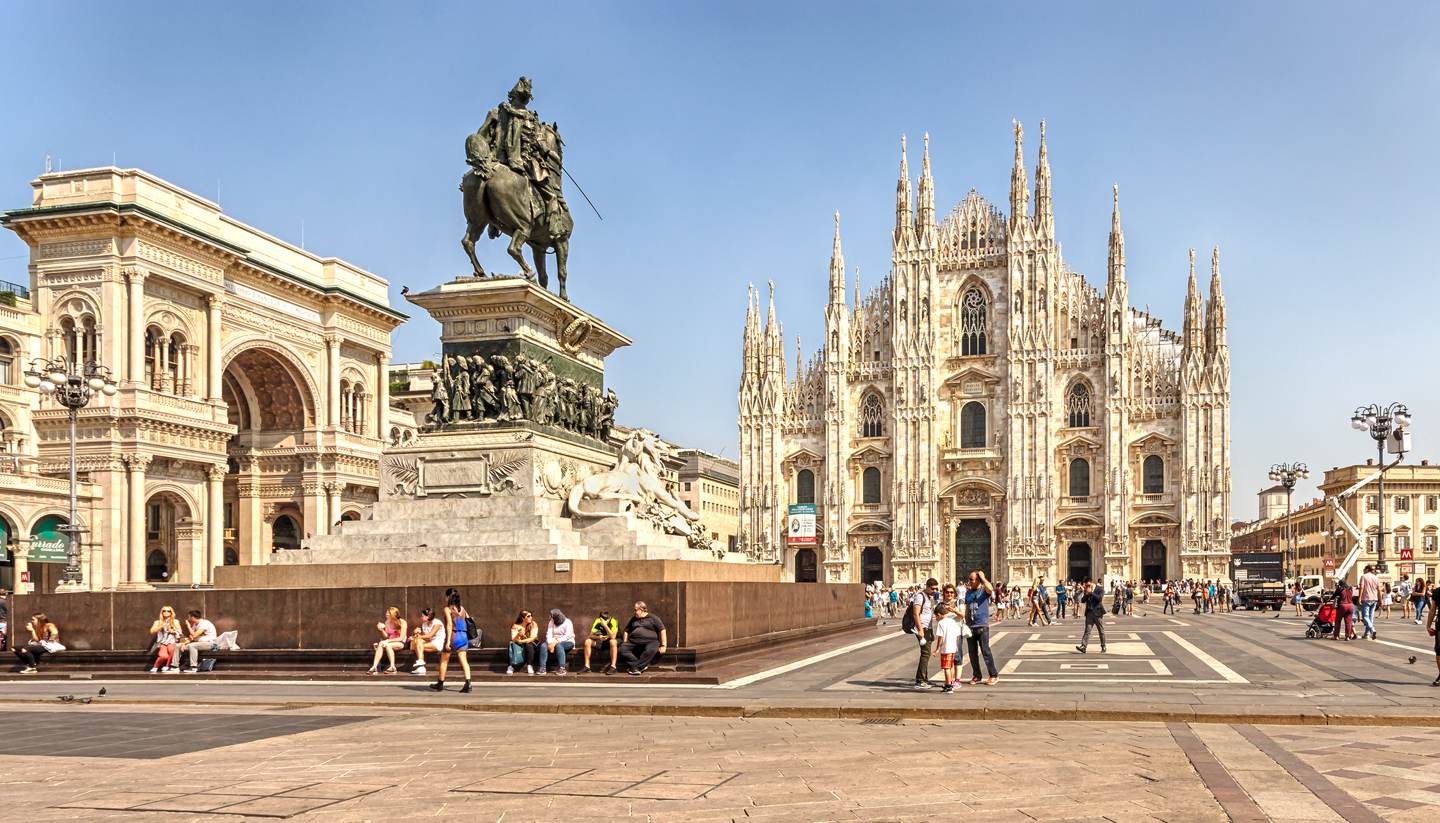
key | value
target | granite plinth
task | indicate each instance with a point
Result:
(697, 614)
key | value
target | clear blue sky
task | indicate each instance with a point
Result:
(717, 139)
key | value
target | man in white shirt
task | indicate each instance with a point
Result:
(199, 637)
(1369, 599)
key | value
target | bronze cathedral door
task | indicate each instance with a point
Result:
(972, 549)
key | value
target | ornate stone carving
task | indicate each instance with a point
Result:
(400, 476)
(634, 485)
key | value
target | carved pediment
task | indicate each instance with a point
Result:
(804, 459)
(1154, 520)
(1152, 443)
(870, 528)
(870, 455)
(1083, 443)
(970, 382)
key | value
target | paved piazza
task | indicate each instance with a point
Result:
(1202, 725)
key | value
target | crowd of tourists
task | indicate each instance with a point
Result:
(1040, 604)
(454, 632)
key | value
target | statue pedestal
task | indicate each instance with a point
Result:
(485, 486)
(510, 316)
(489, 494)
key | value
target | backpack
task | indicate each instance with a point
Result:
(907, 621)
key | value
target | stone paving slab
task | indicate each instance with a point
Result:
(403, 765)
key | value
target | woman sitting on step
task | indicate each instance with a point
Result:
(392, 639)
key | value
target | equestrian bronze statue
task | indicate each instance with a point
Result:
(513, 187)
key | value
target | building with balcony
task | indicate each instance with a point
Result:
(1412, 524)
(253, 398)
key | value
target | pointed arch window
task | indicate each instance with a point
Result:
(1079, 477)
(805, 486)
(1078, 405)
(1153, 475)
(870, 486)
(872, 416)
(974, 314)
(972, 425)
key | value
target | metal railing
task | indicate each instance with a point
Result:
(6, 287)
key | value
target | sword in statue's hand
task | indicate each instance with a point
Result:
(561, 141)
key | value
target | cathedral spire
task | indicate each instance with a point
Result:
(904, 211)
(1115, 268)
(927, 189)
(1019, 187)
(752, 331)
(1215, 312)
(797, 357)
(837, 267)
(1194, 317)
(904, 216)
(1044, 208)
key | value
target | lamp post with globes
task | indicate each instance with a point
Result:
(72, 385)
(1286, 474)
(1385, 424)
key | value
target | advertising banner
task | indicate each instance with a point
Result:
(800, 525)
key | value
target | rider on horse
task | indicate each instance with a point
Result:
(515, 137)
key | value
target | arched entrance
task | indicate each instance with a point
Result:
(972, 548)
(806, 568)
(164, 512)
(872, 565)
(266, 400)
(1078, 565)
(285, 533)
(1152, 560)
(272, 405)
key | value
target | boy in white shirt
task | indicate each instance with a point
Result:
(947, 644)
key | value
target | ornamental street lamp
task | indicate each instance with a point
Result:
(72, 386)
(1286, 474)
(1385, 424)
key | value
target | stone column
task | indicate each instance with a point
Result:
(214, 304)
(251, 546)
(162, 364)
(135, 297)
(332, 507)
(135, 568)
(214, 522)
(332, 371)
(21, 552)
(382, 395)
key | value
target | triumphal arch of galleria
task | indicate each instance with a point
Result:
(252, 404)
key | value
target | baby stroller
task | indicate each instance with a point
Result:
(1323, 623)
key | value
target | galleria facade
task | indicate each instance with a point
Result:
(985, 407)
(252, 404)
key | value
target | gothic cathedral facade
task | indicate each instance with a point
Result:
(986, 408)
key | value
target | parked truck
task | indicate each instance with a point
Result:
(1259, 579)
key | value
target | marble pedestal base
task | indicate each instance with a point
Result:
(491, 494)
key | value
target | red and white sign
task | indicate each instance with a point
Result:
(1407, 554)
(24, 577)
(1329, 567)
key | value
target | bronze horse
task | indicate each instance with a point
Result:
(507, 203)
